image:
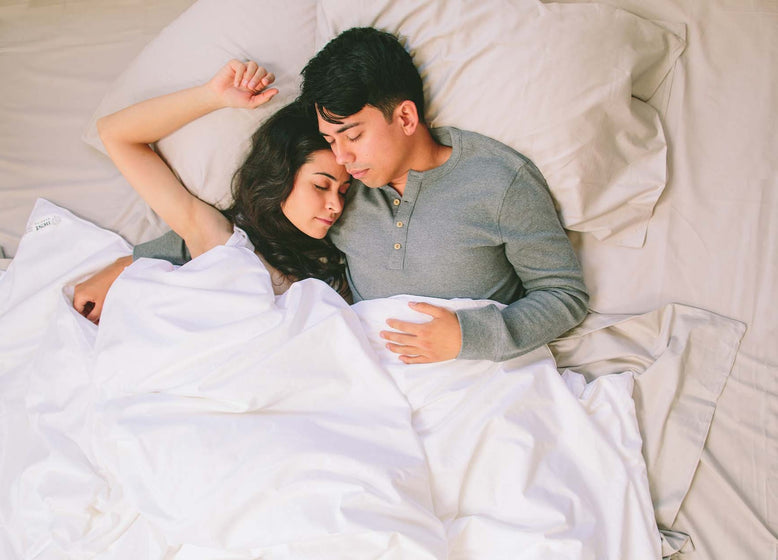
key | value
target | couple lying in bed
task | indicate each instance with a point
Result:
(436, 212)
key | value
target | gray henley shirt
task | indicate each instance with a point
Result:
(481, 226)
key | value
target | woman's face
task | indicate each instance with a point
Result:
(316, 200)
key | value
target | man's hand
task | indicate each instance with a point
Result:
(89, 295)
(435, 341)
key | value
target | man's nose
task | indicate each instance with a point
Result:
(342, 154)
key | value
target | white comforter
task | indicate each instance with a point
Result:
(205, 418)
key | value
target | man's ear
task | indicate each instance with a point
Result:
(407, 116)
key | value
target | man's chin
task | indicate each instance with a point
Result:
(369, 181)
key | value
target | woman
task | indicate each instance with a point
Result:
(286, 195)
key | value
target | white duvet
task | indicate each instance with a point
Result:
(206, 419)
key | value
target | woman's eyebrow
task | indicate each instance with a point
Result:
(324, 173)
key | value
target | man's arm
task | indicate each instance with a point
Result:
(555, 298)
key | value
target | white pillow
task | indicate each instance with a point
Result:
(278, 34)
(555, 82)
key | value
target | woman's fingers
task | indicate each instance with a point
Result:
(238, 71)
(249, 74)
(263, 97)
(260, 80)
(244, 84)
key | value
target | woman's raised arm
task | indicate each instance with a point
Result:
(127, 134)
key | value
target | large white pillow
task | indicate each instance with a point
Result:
(278, 34)
(564, 84)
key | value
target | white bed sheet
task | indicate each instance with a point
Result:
(236, 423)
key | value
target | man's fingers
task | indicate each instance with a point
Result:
(409, 354)
(404, 326)
(427, 308)
(399, 337)
(416, 360)
(402, 349)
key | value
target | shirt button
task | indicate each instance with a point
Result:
(397, 246)
(399, 224)
(396, 202)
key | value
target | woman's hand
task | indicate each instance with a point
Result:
(243, 85)
(89, 295)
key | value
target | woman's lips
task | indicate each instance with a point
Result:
(325, 221)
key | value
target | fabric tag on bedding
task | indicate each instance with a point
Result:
(43, 223)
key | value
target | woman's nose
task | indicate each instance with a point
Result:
(334, 202)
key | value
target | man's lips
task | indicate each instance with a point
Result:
(357, 173)
(326, 221)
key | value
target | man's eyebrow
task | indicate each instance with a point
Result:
(345, 127)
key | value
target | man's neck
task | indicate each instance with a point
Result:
(427, 153)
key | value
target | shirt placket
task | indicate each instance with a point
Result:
(402, 208)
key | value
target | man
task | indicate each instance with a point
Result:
(441, 213)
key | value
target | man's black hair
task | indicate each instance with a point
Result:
(361, 66)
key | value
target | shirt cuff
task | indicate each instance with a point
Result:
(481, 333)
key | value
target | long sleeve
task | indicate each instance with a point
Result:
(555, 297)
(168, 247)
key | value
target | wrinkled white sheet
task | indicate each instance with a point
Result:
(206, 419)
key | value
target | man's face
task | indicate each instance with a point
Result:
(373, 150)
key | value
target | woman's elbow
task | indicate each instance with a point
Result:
(104, 129)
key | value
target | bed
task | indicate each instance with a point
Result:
(205, 418)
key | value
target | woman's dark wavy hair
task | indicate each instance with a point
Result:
(361, 66)
(280, 147)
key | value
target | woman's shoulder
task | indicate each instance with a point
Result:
(280, 281)
(239, 238)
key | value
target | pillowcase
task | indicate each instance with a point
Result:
(564, 84)
(277, 34)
